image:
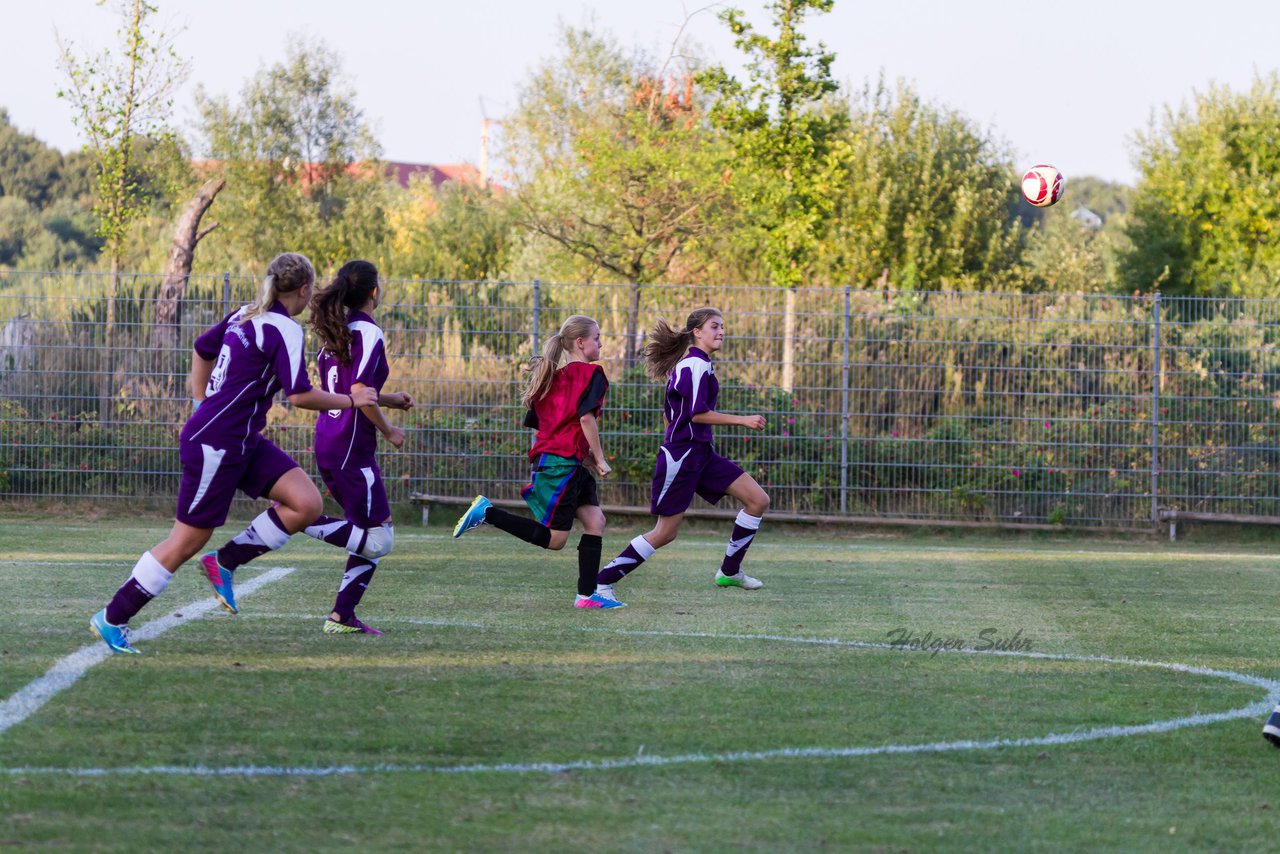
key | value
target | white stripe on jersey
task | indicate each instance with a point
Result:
(698, 368)
(209, 468)
(370, 335)
(289, 330)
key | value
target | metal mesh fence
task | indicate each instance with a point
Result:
(1009, 408)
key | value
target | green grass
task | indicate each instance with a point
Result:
(485, 664)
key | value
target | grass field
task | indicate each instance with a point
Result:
(492, 716)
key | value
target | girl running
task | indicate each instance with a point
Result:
(687, 463)
(565, 395)
(353, 356)
(238, 367)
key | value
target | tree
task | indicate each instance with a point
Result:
(613, 163)
(459, 231)
(1204, 212)
(926, 195)
(788, 154)
(300, 162)
(120, 103)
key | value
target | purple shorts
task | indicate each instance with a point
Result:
(686, 469)
(360, 493)
(210, 481)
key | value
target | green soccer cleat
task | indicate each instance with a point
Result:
(746, 582)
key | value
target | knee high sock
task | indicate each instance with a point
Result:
(744, 531)
(354, 582)
(636, 553)
(147, 581)
(589, 548)
(338, 532)
(521, 527)
(265, 533)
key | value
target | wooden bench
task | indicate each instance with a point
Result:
(1173, 517)
(426, 502)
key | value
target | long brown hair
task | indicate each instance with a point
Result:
(286, 273)
(542, 369)
(667, 347)
(331, 307)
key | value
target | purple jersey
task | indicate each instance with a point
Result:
(252, 361)
(692, 388)
(346, 437)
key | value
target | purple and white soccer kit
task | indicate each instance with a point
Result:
(687, 463)
(346, 440)
(221, 446)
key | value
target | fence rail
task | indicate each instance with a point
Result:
(991, 407)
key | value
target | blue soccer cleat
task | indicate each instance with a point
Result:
(1271, 731)
(473, 518)
(595, 600)
(220, 578)
(115, 637)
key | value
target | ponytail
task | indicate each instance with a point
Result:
(666, 346)
(542, 369)
(331, 306)
(285, 274)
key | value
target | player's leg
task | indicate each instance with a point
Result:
(363, 499)
(637, 552)
(755, 503)
(590, 546)
(272, 474)
(149, 578)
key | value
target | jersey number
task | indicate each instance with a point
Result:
(219, 374)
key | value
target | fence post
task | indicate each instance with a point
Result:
(1155, 411)
(537, 310)
(226, 294)
(844, 412)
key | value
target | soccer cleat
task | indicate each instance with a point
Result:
(1271, 731)
(220, 578)
(746, 582)
(595, 600)
(115, 637)
(473, 518)
(352, 626)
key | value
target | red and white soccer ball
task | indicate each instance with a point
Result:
(1042, 185)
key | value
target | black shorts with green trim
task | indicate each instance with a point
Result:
(557, 488)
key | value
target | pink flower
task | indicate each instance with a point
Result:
(791, 421)
(895, 434)
(1046, 423)
(1017, 473)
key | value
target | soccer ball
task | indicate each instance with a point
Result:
(1042, 185)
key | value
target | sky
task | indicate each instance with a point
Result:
(1069, 84)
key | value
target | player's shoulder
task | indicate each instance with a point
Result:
(368, 331)
(695, 364)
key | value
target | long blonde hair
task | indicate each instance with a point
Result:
(666, 346)
(286, 273)
(542, 369)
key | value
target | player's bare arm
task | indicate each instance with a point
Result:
(198, 379)
(591, 430)
(751, 422)
(391, 433)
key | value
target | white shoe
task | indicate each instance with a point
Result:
(746, 582)
(605, 591)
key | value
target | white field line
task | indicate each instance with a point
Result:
(67, 671)
(650, 761)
